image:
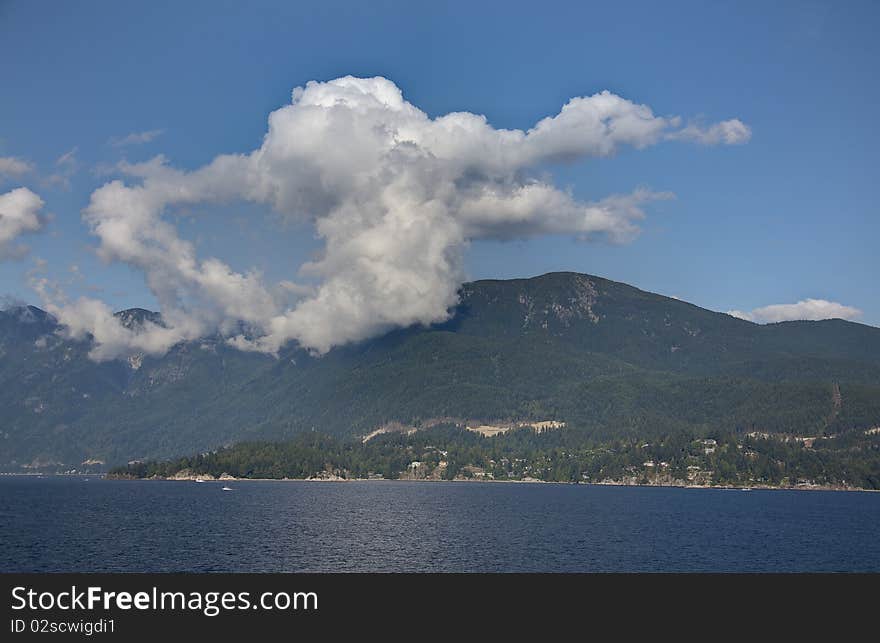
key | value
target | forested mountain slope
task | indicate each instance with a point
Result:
(606, 358)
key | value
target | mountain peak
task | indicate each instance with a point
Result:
(28, 314)
(133, 318)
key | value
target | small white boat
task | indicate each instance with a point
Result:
(199, 480)
(226, 489)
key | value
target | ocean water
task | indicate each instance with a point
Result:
(60, 524)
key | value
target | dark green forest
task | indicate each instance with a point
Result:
(849, 460)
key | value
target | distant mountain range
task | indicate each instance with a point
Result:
(606, 358)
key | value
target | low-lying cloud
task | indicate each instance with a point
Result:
(807, 309)
(19, 214)
(394, 195)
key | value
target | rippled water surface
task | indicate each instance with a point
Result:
(70, 524)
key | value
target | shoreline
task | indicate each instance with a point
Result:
(532, 481)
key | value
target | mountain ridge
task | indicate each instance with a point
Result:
(139, 314)
(606, 357)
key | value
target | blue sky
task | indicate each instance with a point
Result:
(790, 215)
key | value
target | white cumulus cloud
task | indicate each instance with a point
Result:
(19, 214)
(810, 309)
(394, 195)
(14, 167)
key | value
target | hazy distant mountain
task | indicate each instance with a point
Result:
(600, 355)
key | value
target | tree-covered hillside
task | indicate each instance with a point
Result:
(448, 452)
(610, 360)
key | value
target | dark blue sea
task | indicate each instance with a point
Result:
(65, 524)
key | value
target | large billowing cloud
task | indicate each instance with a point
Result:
(19, 214)
(394, 195)
(811, 309)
